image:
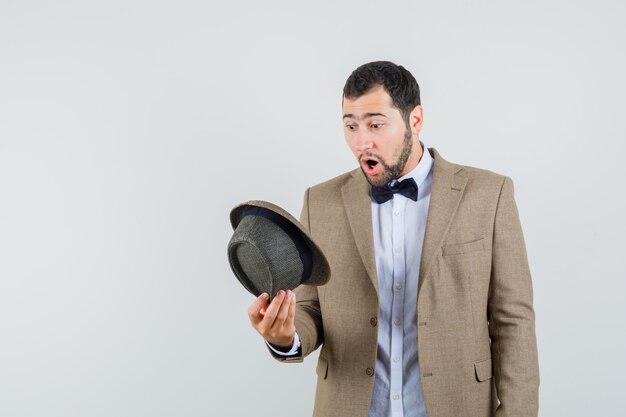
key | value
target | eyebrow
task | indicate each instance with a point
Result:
(365, 116)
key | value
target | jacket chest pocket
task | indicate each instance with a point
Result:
(461, 248)
(465, 258)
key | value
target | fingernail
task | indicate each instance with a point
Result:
(290, 294)
(265, 296)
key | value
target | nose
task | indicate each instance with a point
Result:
(363, 141)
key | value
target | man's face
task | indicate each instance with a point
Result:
(379, 138)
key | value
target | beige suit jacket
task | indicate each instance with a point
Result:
(476, 324)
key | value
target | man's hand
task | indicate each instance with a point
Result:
(275, 321)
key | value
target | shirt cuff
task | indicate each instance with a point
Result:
(291, 352)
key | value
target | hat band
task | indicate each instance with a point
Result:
(292, 231)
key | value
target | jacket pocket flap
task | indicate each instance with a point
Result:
(322, 367)
(484, 370)
(458, 248)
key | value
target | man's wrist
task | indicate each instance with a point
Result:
(288, 350)
(286, 347)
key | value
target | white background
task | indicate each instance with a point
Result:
(129, 129)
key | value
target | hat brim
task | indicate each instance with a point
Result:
(320, 272)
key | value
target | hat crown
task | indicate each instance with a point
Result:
(271, 250)
(263, 257)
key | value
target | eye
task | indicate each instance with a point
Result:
(350, 127)
(376, 125)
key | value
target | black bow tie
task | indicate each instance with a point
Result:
(407, 188)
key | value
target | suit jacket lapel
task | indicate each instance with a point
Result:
(358, 204)
(445, 197)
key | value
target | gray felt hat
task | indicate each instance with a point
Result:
(270, 250)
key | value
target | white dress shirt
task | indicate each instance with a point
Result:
(398, 225)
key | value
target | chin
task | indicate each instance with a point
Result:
(378, 181)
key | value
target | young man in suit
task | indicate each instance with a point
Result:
(428, 311)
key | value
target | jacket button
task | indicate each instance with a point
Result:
(369, 371)
(374, 321)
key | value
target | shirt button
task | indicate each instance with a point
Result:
(396, 397)
(396, 322)
(369, 371)
(398, 249)
(396, 359)
(374, 321)
(398, 286)
(397, 213)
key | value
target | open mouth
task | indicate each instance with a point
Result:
(370, 165)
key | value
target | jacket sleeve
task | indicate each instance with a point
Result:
(511, 315)
(308, 319)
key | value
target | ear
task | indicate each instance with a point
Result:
(416, 118)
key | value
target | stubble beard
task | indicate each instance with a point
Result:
(391, 172)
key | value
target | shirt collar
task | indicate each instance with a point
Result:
(421, 170)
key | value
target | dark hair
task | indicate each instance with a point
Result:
(397, 81)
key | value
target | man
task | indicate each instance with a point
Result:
(428, 311)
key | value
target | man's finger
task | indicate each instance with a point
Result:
(292, 310)
(272, 310)
(284, 310)
(254, 311)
